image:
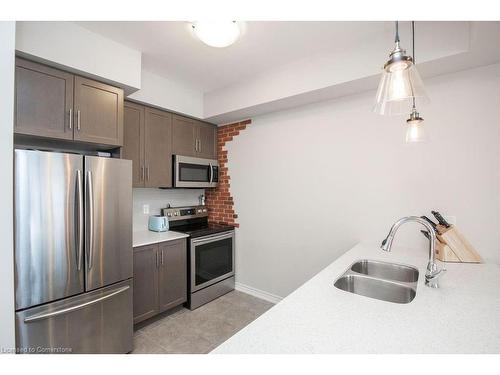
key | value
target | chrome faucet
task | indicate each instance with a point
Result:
(432, 274)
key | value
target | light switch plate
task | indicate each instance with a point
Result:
(145, 209)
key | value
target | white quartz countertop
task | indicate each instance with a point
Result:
(462, 316)
(147, 237)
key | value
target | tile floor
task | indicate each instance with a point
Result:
(199, 331)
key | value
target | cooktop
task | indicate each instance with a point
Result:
(193, 220)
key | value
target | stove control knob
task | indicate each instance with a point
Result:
(204, 210)
(176, 213)
(169, 214)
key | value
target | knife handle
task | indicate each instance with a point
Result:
(440, 219)
(434, 225)
(426, 234)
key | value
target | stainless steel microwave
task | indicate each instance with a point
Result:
(192, 172)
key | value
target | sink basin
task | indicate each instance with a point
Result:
(386, 271)
(385, 281)
(376, 288)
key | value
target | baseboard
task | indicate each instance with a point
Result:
(273, 298)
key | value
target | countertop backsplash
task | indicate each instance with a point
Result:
(158, 199)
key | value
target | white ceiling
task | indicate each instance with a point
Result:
(170, 49)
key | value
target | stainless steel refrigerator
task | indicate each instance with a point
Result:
(73, 253)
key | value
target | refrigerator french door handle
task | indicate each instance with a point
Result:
(67, 310)
(90, 202)
(79, 187)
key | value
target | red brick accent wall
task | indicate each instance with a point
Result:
(219, 200)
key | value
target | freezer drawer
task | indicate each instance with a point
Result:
(96, 322)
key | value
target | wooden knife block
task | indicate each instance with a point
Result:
(452, 246)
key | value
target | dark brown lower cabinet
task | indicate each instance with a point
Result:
(145, 282)
(173, 274)
(160, 278)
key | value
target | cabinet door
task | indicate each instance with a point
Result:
(133, 141)
(184, 137)
(99, 112)
(173, 274)
(146, 264)
(158, 148)
(43, 100)
(207, 136)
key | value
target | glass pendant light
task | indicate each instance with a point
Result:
(416, 131)
(400, 83)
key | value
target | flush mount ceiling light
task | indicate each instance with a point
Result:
(217, 33)
(400, 83)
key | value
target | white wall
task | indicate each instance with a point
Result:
(170, 94)
(158, 199)
(7, 46)
(78, 49)
(311, 182)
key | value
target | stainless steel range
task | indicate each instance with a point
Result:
(210, 253)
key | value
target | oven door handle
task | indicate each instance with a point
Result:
(213, 238)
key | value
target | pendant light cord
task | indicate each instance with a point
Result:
(413, 39)
(413, 54)
(397, 32)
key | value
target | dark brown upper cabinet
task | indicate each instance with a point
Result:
(43, 101)
(158, 148)
(193, 138)
(99, 112)
(147, 142)
(133, 140)
(160, 278)
(207, 140)
(55, 104)
(184, 136)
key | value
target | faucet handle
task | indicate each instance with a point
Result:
(431, 277)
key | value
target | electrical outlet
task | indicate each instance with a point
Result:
(145, 209)
(451, 219)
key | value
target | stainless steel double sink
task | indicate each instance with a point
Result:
(384, 281)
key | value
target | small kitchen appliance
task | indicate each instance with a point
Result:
(190, 172)
(158, 223)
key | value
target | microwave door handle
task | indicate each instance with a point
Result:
(211, 172)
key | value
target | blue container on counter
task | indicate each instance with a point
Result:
(158, 223)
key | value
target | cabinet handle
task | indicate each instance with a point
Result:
(157, 260)
(70, 119)
(142, 172)
(199, 145)
(147, 172)
(162, 257)
(78, 120)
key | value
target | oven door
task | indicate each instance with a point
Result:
(212, 259)
(192, 172)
